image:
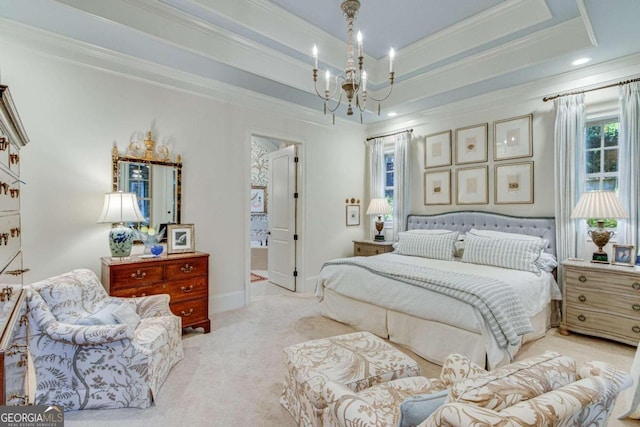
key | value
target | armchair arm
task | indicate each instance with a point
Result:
(605, 370)
(152, 305)
(347, 407)
(86, 335)
(464, 415)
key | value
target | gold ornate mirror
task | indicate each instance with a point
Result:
(150, 173)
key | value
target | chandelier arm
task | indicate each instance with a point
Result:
(388, 93)
(339, 102)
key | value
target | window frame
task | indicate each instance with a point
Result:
(389, 151)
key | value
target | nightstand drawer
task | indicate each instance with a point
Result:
(624, 283)
(588, 299)
(370, 248)
(603, 324)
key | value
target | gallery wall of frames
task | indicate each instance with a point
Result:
(457, 169)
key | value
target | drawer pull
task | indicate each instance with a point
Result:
(582, 278)
(187, 268)
(582, 318)
(358, 249)
(636, 329)
(582, 298)
(377, 251)
(187, 314)
(636, 307)
(635, 285)
(138, 275)
(189, 289)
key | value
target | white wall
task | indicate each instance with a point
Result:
(74, 114)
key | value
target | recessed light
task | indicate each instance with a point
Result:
(581, 61)
(392, 114)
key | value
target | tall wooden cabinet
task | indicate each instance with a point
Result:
(13, 310)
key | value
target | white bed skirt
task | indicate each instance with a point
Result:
(431, 340)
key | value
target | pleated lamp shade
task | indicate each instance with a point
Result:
(599, 205)
(120, 207)
(378, 207)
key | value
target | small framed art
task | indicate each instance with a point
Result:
(180, 238)
(624, 255)
(258, 199)
(514, 183)
(473, 186)
(437, 149)
(471, 144)
(353, 215)
(513, 138)
(437, 188)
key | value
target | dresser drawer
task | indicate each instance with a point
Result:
(139, 291)
(180, 290)
(603, 324)
(186, 268)
(191, 311)
(369, 249)
(588, 299)
(623, 283)
(136, 275)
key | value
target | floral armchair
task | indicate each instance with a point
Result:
(93, 351)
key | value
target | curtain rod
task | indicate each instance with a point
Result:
(389, 134)
(549, 98)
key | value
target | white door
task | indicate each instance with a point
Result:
(281, 205)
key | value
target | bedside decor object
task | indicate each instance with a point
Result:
(119, 208)
(600, 205)
(180, 238)
(353, 215)
(379, 207)
(624, 255)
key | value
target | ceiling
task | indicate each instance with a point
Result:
(445, 50)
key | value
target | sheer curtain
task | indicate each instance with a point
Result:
(569, 165)
(376, 174)
(401, 186)
(629, 161)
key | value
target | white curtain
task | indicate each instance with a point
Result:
(376, 174)
(629, 161)
(401, 187)
(569, 166)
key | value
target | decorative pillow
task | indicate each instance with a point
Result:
(502, 235)
(546, 262)
(416, 409)
(104, 316)
(428, 231)
(436, 246)
(126, 313)
(515, 383)
(506, 253)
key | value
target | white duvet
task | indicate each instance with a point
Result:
(534, 291)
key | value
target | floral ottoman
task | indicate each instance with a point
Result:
(357, 361)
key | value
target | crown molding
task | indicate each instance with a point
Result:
(587, 22)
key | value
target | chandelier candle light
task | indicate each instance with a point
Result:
(354, 81)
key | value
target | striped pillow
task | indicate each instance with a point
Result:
(506, 253)
(436, 246)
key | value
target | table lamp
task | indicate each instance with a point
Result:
(119, 208)
(600, 205)
(379, 207)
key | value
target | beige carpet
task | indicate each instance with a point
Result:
(233, 376)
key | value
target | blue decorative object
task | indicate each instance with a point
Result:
(156, 249)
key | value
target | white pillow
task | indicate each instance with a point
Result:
(502, 235)
(546, 262)
(515, 254)
(436, 246)
(429, 231)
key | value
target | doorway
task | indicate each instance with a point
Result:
(273, 216)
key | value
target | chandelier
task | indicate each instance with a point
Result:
(353, 83)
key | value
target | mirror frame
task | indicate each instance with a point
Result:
(150, 156)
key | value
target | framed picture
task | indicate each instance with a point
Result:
(437, 149)
(471, 144)
(624, 255)
(258, 199)
(437, 188)
(473, 186)
(180, 238)
(513, 138)
(514, 183)
(353, 215)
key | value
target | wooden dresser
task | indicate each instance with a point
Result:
(185, 277)
(13, 308)
(371, 247)
(601, 300)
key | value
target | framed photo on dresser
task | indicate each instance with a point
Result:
(180, 238)
(624, 255)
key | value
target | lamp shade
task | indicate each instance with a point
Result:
(120, 207)
(599, 205)
(378, 207)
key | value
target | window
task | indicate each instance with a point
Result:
(602, 159)
(389, 174)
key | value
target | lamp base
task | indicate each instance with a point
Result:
(379, 238)
(600, 258)
(120, 241)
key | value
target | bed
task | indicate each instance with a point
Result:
(420, 299)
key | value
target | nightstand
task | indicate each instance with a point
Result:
(602, 300)
(370, 247)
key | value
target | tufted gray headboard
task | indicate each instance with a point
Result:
(464, 221)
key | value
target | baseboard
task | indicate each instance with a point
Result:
(308, 285)
(226, 302)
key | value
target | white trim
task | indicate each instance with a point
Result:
(587, 22)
